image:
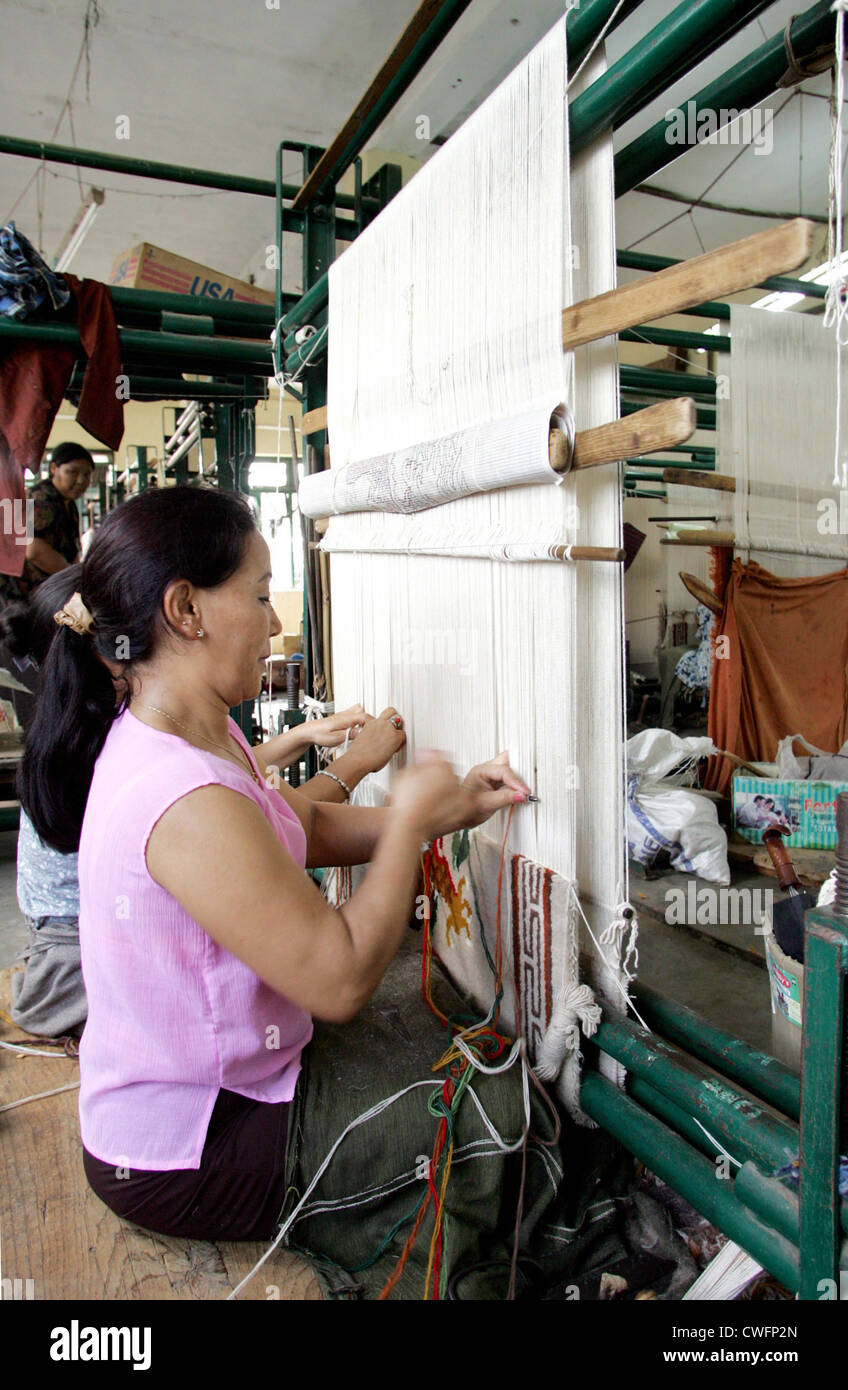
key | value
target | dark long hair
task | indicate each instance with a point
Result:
(27, 628)
(194, 533)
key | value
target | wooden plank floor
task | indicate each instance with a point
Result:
(57, 1233)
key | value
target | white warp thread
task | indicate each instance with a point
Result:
(782, 405)
(446, 315)
(836, 301)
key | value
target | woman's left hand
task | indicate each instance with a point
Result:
(493, 785)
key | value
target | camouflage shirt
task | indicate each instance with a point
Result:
(56, 521)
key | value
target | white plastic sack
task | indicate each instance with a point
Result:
(821, 767)
(682, 822)
(655, 753)
(663, 815)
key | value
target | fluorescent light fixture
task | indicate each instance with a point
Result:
(778, 301)
(819, 275)
(76, 234)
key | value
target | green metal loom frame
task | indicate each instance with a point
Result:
(690, 1084)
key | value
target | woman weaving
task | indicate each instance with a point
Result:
(205, 947)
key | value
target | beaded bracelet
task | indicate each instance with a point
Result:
(344, 786)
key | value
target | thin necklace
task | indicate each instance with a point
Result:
(223, 747)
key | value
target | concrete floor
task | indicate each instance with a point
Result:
(717, 970)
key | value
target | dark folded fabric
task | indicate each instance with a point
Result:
(26, 281)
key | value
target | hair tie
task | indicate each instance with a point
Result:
(74, 614)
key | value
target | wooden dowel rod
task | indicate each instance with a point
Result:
(691, 477)
(737, 266)
(723, 482)
(591, 552)
(723, 539)
(655, 427)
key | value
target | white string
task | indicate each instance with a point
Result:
(354, 1124)
(767, 437)
(35, 1052)
(42, 1095)
(502, 1144)
(630, 1005)
(441, 323)
(595, 46)
(611, 966)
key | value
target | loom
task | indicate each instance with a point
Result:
(671, 1096)
(407, 493)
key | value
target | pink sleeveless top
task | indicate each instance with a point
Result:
(172, 1016)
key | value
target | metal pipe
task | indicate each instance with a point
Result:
(772, 1201)
(186, 419)
(585, 23)
(375, 105)
(692, 31)
(777, 1205)
(671, 1115)
(746, 84)
(244, 355)
(689, 1173)
(171, 173)
(198, 325)
(706, 467)
(186, 446)
(641, 260)
(735, 1119)
(309, 352)
(154, 301)
(676, 337)
(668, 383)
(315, 298)
(759, 1073)
(176, 389)
(223, 328)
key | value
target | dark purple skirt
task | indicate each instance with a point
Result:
(237, 1192)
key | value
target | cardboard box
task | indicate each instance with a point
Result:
(288, 606)
(807, 809)
(147, 267)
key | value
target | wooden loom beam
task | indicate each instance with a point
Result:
(724, 540)
(655, 427)
(331, 161)
(714, 275)
(691, 477)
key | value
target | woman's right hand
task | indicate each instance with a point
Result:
(431, 796)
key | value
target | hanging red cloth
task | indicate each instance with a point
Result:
(781, 666)
(33, 380)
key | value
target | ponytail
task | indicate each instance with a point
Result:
(74, 710)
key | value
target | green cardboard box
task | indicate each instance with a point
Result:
(804, 811)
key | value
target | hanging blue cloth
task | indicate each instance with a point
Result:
(25, 280)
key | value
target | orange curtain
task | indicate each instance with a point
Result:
(781, 666)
